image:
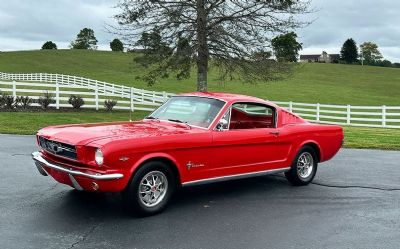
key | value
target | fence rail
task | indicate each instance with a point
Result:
(367, 116)
(94, 93)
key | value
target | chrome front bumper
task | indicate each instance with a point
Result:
(40, 162)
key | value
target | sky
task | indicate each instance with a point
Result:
(27, 24)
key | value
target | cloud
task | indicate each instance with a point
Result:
(27, 24)
(367, 20)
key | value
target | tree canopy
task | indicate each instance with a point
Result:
(116, 45)
(226, 34)
(85, 40)
(349, 51)
(370, 53)
(286, 47)
(49, 45)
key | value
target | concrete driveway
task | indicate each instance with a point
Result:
(353, 203)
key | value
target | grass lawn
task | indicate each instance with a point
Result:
(323, 83)
(27, 123)
(316, 82)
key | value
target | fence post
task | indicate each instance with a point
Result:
(348, 119)
(164, 94)
(384, 116)
(154, 97)
(96, 97)
(290, 106)
(14, 90)
(132, 107)
(317, 116)
(57, 96)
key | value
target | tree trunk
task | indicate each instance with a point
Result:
(202, 50)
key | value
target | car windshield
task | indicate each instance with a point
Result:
(191, 110)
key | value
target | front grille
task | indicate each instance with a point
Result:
(58, 148)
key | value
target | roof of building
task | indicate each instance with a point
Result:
(309, 56)
(316, 56)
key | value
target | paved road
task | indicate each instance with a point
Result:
(263, 212)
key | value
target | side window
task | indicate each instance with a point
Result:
(224, 121)
(251, 116)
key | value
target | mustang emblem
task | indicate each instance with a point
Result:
(54, 147)
(190, 165)
(124, 158)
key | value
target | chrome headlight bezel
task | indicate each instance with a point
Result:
(99, 157)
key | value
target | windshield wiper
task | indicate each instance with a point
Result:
(151, 117)
(180, 121)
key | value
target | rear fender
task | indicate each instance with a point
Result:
(315, 143)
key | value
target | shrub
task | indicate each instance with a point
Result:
(23, 102)
(9, 102)
(109, 104)
(46, 100)
(76, 101)
(2, 99)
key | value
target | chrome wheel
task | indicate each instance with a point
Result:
(305, 165)
(152, 188)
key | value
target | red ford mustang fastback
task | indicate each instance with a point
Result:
(191, 139)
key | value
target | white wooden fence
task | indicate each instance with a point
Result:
(95, 92)
(368, 116)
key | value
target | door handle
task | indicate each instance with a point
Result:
(275, 133)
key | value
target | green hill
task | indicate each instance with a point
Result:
(324, 83)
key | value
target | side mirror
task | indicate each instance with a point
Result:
(222, 124)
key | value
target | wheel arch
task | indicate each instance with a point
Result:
(315, 146)
(161, 157)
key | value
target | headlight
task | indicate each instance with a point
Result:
(98, 157)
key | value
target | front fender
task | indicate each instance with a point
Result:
(153, 156)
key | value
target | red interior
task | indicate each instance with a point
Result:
(243, 120)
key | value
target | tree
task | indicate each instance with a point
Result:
(49, 45)
(85, 40)
(349, 52)
(286, 47)
(208, 33)
(396, 64)
(116, 45)
(385, 63)
(370, 53)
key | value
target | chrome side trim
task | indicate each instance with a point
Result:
(37, 157)
(237, 176)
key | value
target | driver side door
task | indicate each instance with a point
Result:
(249, 143)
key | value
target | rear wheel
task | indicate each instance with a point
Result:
(150, 189)
(304, 167)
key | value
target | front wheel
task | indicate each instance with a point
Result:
(150, 189)
(304, 167)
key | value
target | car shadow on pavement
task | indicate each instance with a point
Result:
(76, 204)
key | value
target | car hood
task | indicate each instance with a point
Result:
(83, 134)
